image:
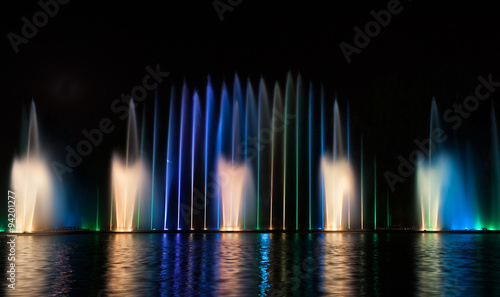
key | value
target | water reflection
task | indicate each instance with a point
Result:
(252, 264)
(264, 243)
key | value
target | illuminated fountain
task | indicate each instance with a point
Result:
(338, 181)
(235, 181)
(431, 180)
(493, 221)
(445, 185)
(128, 179)
(32, 183)
(243, 158)
(232, 186)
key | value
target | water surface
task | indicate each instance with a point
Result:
(255, 264)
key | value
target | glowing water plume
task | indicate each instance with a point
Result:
(322, 153)
(154, 159)
(338, 187)
(287, 142)
(437, 178)
(208, 119)
(264, 157)
(275, 146)
(252, 125)
(224, 143)
(128, 177)
(183, 119)
(170, 155)
(196, 114)
(349, 163)
(298, 99)
(338, 178)
(32, 183)
(430, 181)
(232, 182)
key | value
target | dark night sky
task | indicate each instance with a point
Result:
(89, 53)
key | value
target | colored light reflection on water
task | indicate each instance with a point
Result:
(250, 264)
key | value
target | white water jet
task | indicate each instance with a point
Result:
(432, 180)
(32, 184)
(232, 190)
(339, 186)
(128, 178)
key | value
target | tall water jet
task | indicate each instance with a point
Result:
(32, 183)
(309, 150)
(196, 115)
(288, 142)
(154, 160)
(233, 176)
(182, 148)
(128, 177)
(232, 183)
(277, 147)
(495, 193)
(444, 185)
(431, 181)
(338, 179)
(252, 152)
(322, 154)
(264, 152)
(209, 110)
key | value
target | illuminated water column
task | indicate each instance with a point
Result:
(253, 155)
(278, 125)
(262, 93)
(322, 154)
(338, 176)
(143, 136)
(232, 179)
(31, 182)
(224, 141)
(128, 177)
(169, 162)
(234, 175)
(265, 148)
(196, 115)
(309, 150)
(181, 149)
(349, 164)
(289, 94)
(154, 159)
(494, 222)
(298, 99)
(432, 177)
(208, 140)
